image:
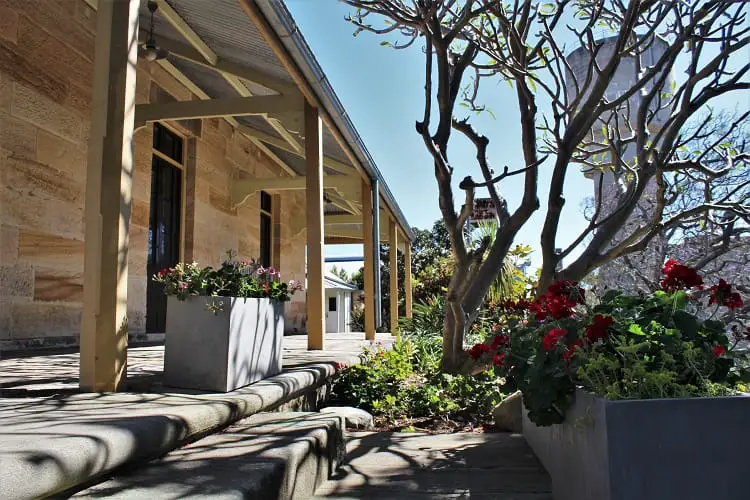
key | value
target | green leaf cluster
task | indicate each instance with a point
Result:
(405, 382)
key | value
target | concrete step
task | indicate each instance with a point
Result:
(267, 456)
(491, 466)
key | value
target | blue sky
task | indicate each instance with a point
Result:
(382, 90)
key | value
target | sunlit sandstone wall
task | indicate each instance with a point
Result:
(46, 56)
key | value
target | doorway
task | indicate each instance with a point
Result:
(165, 221)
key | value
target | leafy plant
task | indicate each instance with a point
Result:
(235, 278)
(405, 382)
(427, 317)
(357, 318)
(662, 345)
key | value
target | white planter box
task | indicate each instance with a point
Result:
(237, 345)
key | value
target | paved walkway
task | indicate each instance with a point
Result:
(65, 439)
(383, 465)
(58, 373)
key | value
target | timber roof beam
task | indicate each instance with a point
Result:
(215, 108)
(328, 161)
(243, 188)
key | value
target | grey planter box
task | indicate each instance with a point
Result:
(221, 352)
(657, 449)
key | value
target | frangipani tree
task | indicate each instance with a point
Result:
(569, 117)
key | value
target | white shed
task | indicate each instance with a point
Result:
(339, 297)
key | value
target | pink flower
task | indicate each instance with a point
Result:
(260, 271)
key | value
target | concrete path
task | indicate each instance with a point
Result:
(391, 466)
(58, 373)
(64, 440)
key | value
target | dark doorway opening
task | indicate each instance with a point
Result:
(165, 220)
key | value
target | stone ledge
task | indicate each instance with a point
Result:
(83, 437)
(281, 455)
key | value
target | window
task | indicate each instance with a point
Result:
(332, 304)
(266, 229)
(165, 220)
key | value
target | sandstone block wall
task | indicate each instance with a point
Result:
(46, 59)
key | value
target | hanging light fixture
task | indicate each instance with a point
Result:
(149, 50)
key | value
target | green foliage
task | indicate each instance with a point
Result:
(626, 347)
(504, 285)
(235, 278)
(357, 318)
(341, 273)
(427, 317)
(405, 382)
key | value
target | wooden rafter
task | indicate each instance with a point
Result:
(212, 58)
(246, 73)
(213, 108)
(328, 162)
(243, 188)
(168, 13)
(201, 94)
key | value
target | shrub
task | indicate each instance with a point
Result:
(427, 317)
(404, 382)
(626, 347)
(235, 278)
(357, 323)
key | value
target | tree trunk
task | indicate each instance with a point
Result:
(453, 340)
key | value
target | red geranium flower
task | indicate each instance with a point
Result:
(500, 341)
(476, 351)
(719, 350)
(572, 349)
(552, 338)
(679, 277)
(723, 295)
(498, 359)
(598, 329)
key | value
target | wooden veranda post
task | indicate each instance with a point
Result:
(408, 297)
(393, 254)
(369, 262)
(104, 326)
(314, 200)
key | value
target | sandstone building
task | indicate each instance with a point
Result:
(238, 142)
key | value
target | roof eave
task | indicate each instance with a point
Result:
(281, 22)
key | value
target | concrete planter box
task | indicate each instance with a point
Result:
(658, 449)
(221, 352)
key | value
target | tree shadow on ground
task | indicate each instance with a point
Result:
(461, 465)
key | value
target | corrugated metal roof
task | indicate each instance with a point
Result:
(224, 26)
(295, 162)
(211, 82)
